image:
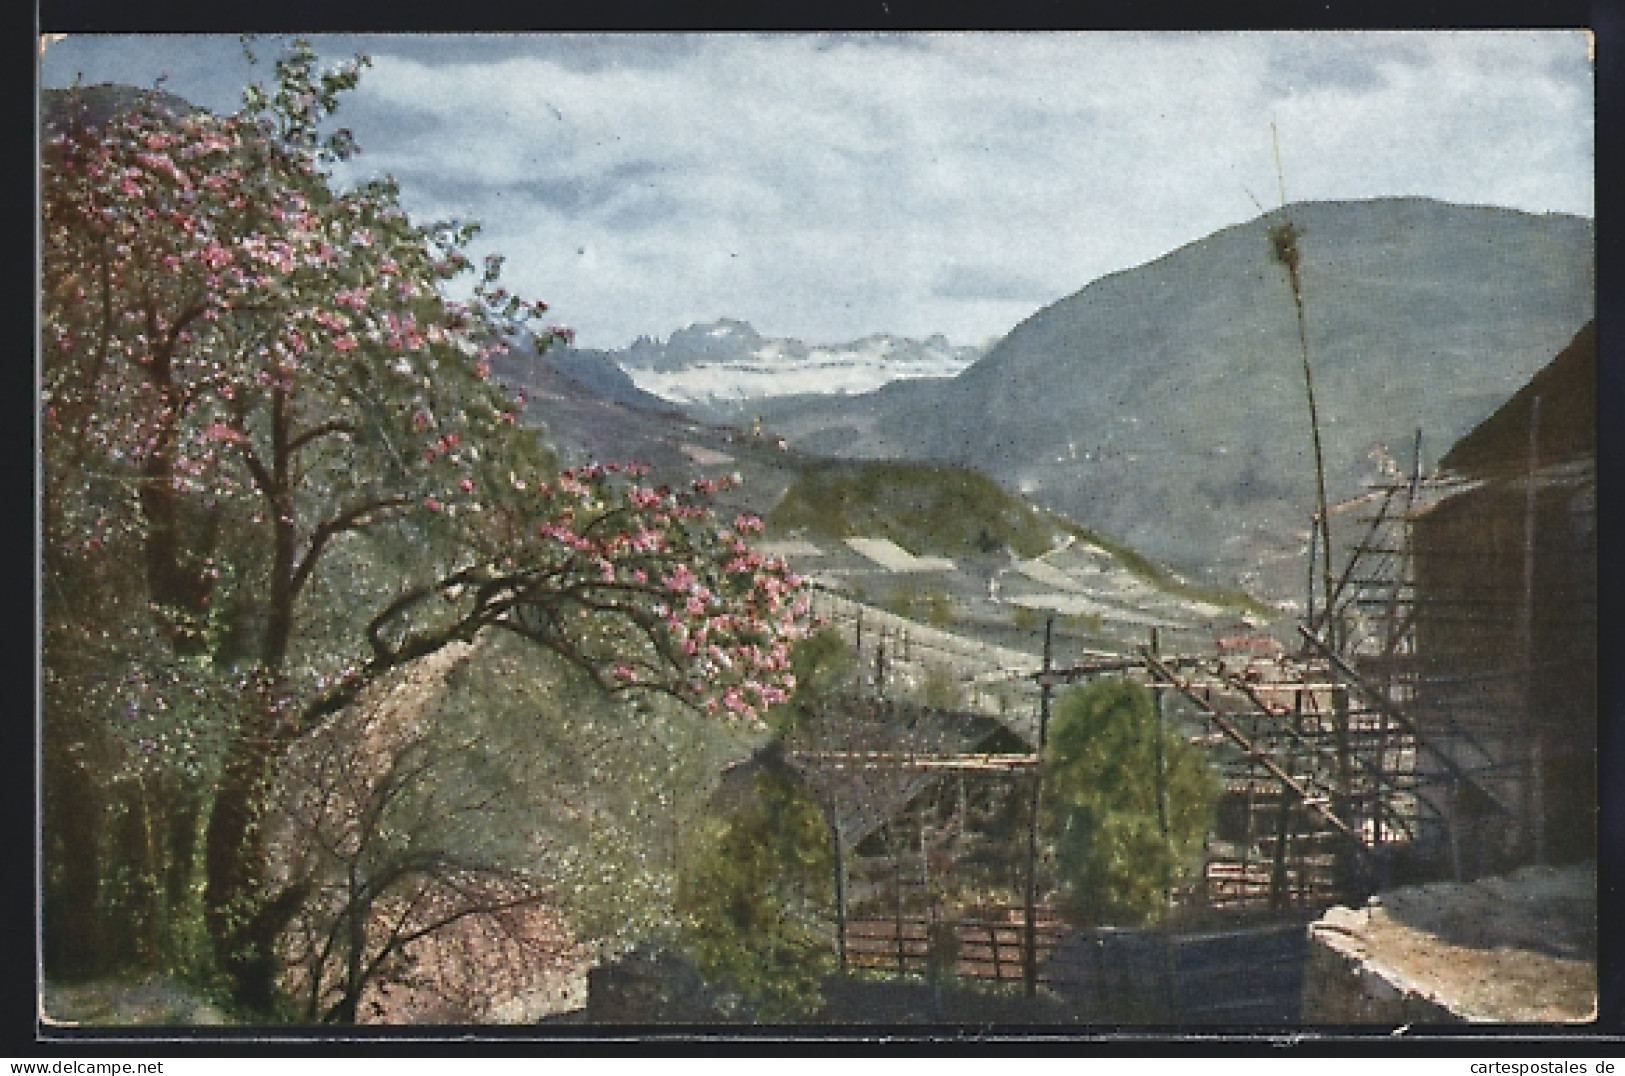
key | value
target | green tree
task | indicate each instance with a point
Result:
(756, 900)
(822, 664)
(1101, 812)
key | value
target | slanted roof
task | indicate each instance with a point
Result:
(1567, 388)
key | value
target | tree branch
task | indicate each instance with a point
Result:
(335, 426)
(256, 466)
(351, 519)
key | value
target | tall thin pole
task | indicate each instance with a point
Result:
(840, 879)
(1527, 638)
(1284, 239)
(1160, 767)
(1320, 465)
(1280, 173)
(1030, 956)
(1314, 539)
(897, 900)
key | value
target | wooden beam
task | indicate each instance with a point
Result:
(1400, 718)
(1263, 758)
(906, 760)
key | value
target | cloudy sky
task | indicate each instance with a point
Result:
(830, 186)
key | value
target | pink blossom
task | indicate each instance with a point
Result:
(219, 431)
(680, 579)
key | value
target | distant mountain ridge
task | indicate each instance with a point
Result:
(727, 361)
(93, 106)
(1165, 404)
(598, 371)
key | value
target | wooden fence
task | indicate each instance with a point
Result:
(993, 949)
(1245, 975)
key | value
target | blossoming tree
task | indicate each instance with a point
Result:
(245, 367)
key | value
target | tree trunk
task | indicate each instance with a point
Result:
(180, 848)
(357, 913)
(243, 918)
(134, 897)
(179, 590)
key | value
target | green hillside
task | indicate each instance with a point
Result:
(928, 509)
(1165, 404)
(944, 510)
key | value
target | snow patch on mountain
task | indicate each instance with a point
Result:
(727, 360)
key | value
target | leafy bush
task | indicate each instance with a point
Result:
(1100, 804)
(756, 899)
(941, 689)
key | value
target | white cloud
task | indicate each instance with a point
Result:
(826, 187)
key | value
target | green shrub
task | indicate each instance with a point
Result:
(1100, 809)
(942, 689)
(756, 899)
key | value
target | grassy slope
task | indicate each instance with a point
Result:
(944, 510)
(928, 509)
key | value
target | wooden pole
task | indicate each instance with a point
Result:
(1283, 820)
(1345, 807)
(1537, 821)
(1030, 956)
(880, 667)
(1314, 535)
(1160, 768)
(1284, 243)
(897, 902)
(840, 881)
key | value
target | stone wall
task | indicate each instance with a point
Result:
(1519, 948)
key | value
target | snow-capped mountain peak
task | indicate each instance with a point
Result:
(728, 360)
